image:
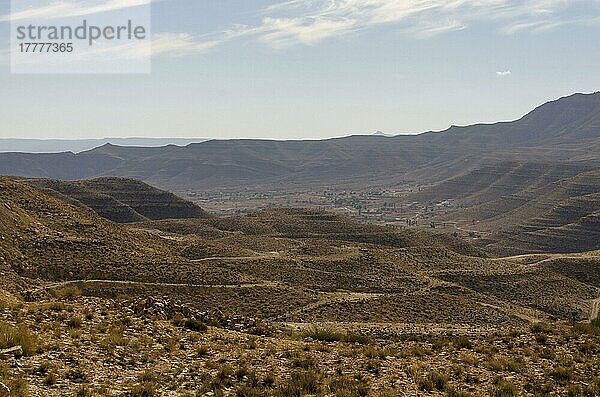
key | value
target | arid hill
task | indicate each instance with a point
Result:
(287, 265)
(121, 200)
(524, 208)
(509, 182)
(281, 303)
(44, 238)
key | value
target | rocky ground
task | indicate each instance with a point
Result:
(74, 345)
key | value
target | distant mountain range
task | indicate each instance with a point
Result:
(566, 130)
(530, 183)
(80, 145)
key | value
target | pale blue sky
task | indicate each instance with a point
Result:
(319, 68)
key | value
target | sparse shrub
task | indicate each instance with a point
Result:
(77, 375)
(241, 373)
(452, 392)
(548, 353)
(562, 374)
(438, 379)
(462, 342)
(84, 391)
(373, 367)
(348, 387)
(592, 328)
(541, 327)
(11, 336)
(148, 376)
(75, 322)
(202, 351)
(323, 334)
(50, 379)
(43, 368)
(252, 344)
(503, 388)
(261, 329)
(67, 292)
(305, 362)
(16, 383)
(115, 338)
(432, 380)
(299, 384)
(269, 380)
(194, 325)
(89, 315)
(143, 389)
(247, 391)
(541, 338)
(352, 337)
(380, 353)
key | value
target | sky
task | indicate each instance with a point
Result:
(311, 69)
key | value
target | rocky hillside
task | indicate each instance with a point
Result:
(120, 199)
(45, 238)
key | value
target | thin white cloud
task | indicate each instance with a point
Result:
(503, 73)
(66, 9)
(310, 21)
(171, 44)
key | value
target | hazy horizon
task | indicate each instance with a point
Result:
(312, 69)
(199, 139)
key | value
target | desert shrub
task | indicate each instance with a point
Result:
(503, 388)
(304, 362)
(114, 338)
(261, 329)
(541, 338)
(75, 322)
(202, 351)
(50, 379)
(348, 387)
(11, 336)
(77, 375)
(84, 391)
(432, 380)
(562, 374)
(143, 389)
(352, 337)
(452, 392)
(194, 325)
(247, 391)
(56, 307)
(438, 379)
(592, 328)
(16, 383)
(299, 384)
(66, 292)
(376, 352)
(462, 342)
(269, 380)
(323, 334)
(541, 328)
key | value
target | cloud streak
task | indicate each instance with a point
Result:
(308, 22)
(311, 21)
(67, 9)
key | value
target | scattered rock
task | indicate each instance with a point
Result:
(13, 351)
(4, 390)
